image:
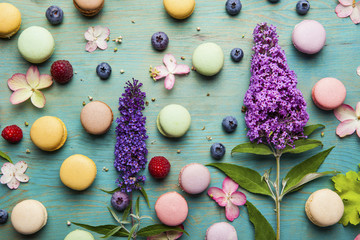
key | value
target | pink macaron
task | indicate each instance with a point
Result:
(328, 93)
(221, 231)
(309, 36)
(171, 208)
(194, 178)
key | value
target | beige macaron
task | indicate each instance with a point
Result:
(89, 8)
(324, 208)
(96, 117)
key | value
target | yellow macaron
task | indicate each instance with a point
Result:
(78, 172)
(10, 20)
(48, 133)
(179, 9)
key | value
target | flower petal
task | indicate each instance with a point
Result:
(343, 11)
(162, 72)
(218, 195)
(346, 127)
(357, 237)
(8, 168)
(91, 46)
(161, 236)
(102, 44)
(182, 69)
(173, 235)
(101, 32)
(20, 95)
(229, 186)
(13, 184)
(238, 198)
(6, 178)
(18, 81)
(169, 81)
(358, 70)
(33, 76)
(22, 177)
(45, 81)
(20, 167)
(346, 2)
(89, 34)
(170, 62)
(231, 211)
(344, 112)
(355, 15)
(38, 99)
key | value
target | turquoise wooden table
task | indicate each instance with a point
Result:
(226, 90)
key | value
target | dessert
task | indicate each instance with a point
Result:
(10, 20)
(96, 117)
(173, 121)
(233, 7)
(89, 8)
(29, 216)
(36, 44)
(54, 15)
(78, 172)
(194, 178)
(179, 9)
(159, 167)
(324, 208)
(217, 151)
(12, 134)
(309, 36)
(62, 71)
(159, 41)
(208, 59)
(221, 231)
(103, 70)
(328, 93)
(79, 235)
(171, 208)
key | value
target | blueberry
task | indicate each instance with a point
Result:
(159, 41)
(274, 1)
(217, 151)
(120, 200)
(229, 124)
(233, 7)
(54, 15)
(103, 70)
(3, 216)
(302, 7)
(236, 54)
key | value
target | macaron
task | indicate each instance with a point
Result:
(221, 231)
(79, 235)
(171, 208)
(179, 9)
(309, 36)
(36, 44)
(208, 59)
(324, 208)
(29, 216)
(89, 8)
(328, 93)
(96, 117)
(194, 178)
(78, 172)
(10, 20)
(48, 133)
(173, 121)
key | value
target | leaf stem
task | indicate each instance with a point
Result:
(277, 199)
(131, 211)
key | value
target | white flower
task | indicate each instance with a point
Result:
(14, 174)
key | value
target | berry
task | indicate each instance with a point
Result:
(233, 7)
(159, 167)
(274, 1)
(62, 71)
(229, 124)
(3, 216)
(302, 7)
(217, 151)
(103, 70)
(12, 134)
(159, 41)
(120, 200)
(54, 15)
(236, 54)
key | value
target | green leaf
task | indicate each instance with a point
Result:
(142, 190)
(156, 229)
(132, 230)
(137, 207)
(263, 229)
(311, 165)
(114, 215)
(127, 211)
(259, 149)
(303, 145)
(5, 156)
(110, 192)
(308, 130)
(247, 178)
(103, 229)
(112, 232)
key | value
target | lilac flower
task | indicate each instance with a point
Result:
(276, 110)
(130, 149)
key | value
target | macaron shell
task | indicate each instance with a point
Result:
(10, 20)
(328, 93)
(194, 178)
(89, 8)
(29, 216)
(96, 117)
(173, 120)
(208, 59)
(79, 235)
(36, 44)
(309, 36)
(171, 209)
(221, 231)
(179, 9)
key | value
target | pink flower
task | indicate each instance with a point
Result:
(96, 37)
(349, 8)
(349, 118)
(27, 86)
(357, 237)
(168, 71)
(168, 235)
(228, 197)
(14, 174)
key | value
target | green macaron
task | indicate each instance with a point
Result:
(208, 59)
(173, 121)
(79, 235)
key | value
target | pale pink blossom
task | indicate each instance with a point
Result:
(168, 235)
(349, 118)
(347, 8)
(96, 37)
(12, 174)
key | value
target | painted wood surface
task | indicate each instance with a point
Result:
(338, 59)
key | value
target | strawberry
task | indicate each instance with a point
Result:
(159, 167)
(12, 134)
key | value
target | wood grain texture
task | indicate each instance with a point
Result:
(338, 59)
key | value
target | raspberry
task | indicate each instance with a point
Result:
(12, 134)
(159, 167)
(61, 71)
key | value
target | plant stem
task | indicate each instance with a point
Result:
(277, 199)
(131, 211)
